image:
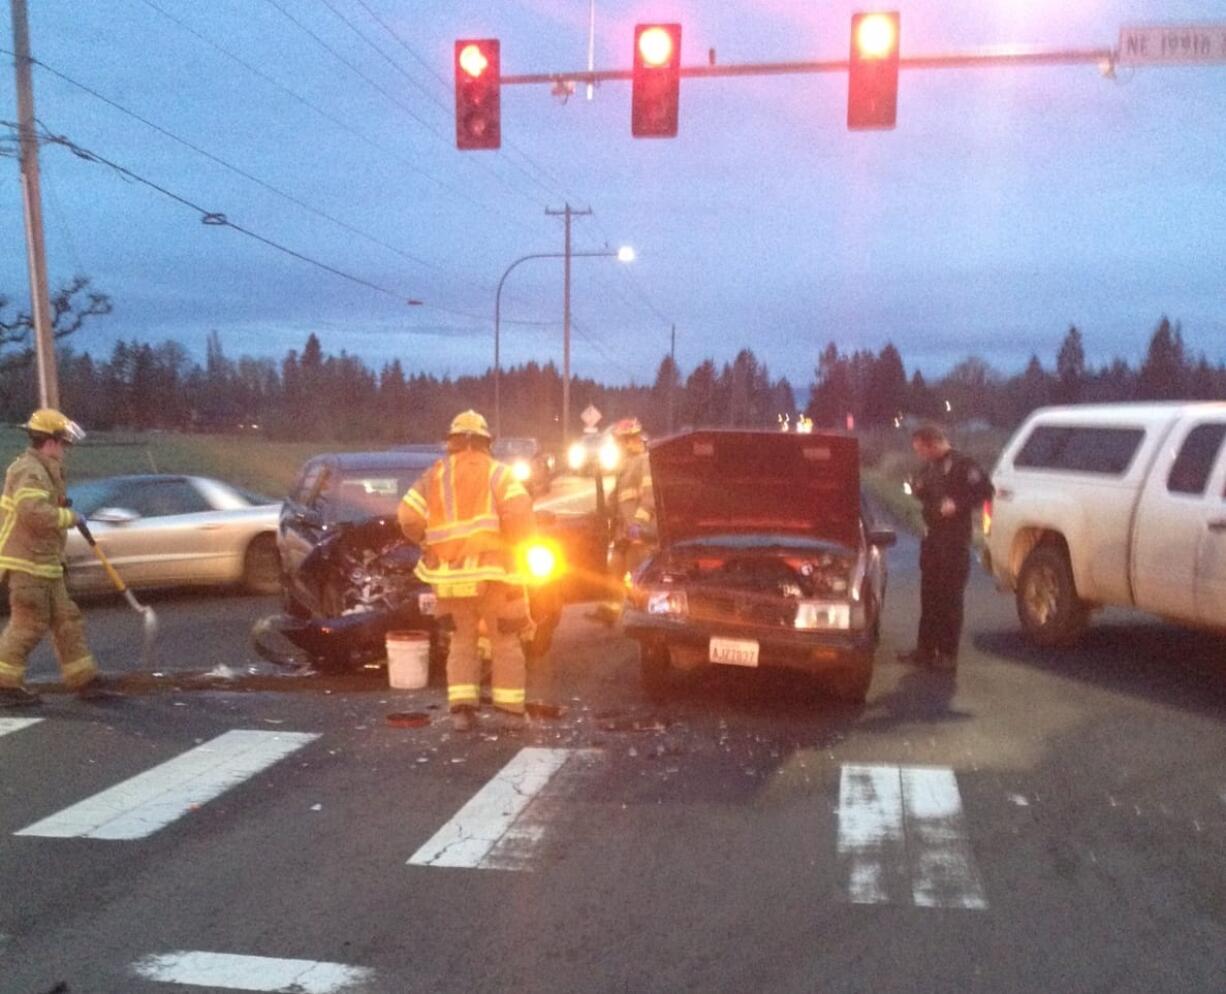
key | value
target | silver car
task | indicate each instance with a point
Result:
(171, 531)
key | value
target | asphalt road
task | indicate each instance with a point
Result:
(1042, 822)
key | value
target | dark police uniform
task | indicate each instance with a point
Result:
(945, 552)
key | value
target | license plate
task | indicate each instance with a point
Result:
(734, 652)
(427, 604)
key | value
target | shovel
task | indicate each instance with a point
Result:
(146, 612)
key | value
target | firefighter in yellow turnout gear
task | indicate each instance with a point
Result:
(34, 517)
(633, 510)
(469, 514)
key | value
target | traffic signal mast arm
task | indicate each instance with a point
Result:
(1104, 58)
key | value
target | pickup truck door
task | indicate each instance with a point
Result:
(1211, 562)
(1171, 527)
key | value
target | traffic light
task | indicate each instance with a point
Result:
(477, 100)
(657, 80)
(872, 72)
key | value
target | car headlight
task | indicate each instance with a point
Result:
(670, 603)
(610, 456)
(823, 616)
(576, 456)
(521, 470)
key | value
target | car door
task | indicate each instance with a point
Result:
(1211, 561)
(301, 530)
(170, 541)
(1171, 525)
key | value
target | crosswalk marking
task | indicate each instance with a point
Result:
(504, 822)
(8, 725)
(151, 800)
(902, 835)
(252, 973)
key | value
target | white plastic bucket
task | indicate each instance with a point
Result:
(408, 660)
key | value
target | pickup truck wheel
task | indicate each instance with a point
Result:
(1047, 603)
(262, 566)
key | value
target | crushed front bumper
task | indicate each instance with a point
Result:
(807, 651)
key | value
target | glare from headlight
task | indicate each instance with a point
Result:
(823, 616)
(672, 603)
(542, 561)
(521, 470)
(576, 456)
(610, 456)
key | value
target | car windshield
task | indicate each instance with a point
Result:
(359, 494)
(91, 495)
(514, 448)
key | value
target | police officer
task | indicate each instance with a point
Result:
(949, 487)
(34, 517)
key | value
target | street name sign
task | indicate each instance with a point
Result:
(1174, 44)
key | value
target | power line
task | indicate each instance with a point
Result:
(557, 190)
(218, 219)
(391, 97)
(230, 166)
(338, 122)
(634, 283)
(207, 216)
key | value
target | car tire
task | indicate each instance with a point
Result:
(849, 684)
(262, 566)
(656, 673)
(1048, 607)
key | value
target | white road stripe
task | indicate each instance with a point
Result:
(151, 800)
(252, 973)
(943, 871)
(504, 822)
(902, 838)
(8, 725)
(871, 838)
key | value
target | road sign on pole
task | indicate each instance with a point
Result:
(590, 417)
(1174, 44)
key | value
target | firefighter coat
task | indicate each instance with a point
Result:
(33, 518)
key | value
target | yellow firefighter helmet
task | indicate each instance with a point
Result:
(469, 423)
(47, 422)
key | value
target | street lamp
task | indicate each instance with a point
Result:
(623, 254)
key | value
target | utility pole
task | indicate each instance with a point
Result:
(672, 382)
(40, 306)
(568, 213)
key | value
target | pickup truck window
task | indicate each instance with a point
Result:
(1196, 459)
(1108, 451)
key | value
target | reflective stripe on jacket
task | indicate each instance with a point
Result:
(33, 519)
(468, 511)
(634, 502)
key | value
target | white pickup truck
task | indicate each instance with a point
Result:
(1112, 505)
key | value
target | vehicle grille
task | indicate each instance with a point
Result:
(741, 608)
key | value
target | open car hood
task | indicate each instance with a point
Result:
(710, 483)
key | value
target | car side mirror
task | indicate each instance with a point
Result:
(114, 516)
(882, 538)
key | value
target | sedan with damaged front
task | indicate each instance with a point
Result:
(349, 574)
(768, 556)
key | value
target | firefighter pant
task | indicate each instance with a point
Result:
(40, 605)
(945, 566)
(504, 610)
(625, 558)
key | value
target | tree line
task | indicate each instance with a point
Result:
(313, 395)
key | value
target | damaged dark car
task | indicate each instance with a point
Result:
(768, 557)
(348, 573)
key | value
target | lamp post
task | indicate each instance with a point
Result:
(623, 254)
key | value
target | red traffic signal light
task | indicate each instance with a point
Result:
(657, 80)
(872, 73)
(478, 105)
